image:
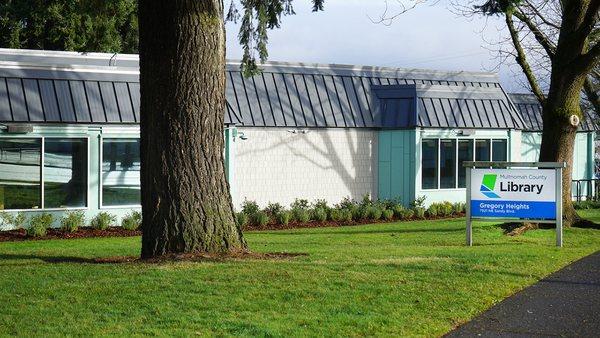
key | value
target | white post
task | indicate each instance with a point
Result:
(559, 206)
(468, 208)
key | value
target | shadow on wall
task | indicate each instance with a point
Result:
(279, 166)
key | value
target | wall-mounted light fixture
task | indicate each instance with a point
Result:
(242, 136)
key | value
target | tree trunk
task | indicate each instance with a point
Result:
(564, 100)
(186, 204)
(558, 140)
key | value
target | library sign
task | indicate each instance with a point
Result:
(513, 193)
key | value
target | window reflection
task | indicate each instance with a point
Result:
(120, 172)
(429, 164)
(65, 173)
(20, 173)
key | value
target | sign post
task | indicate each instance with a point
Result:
(517, 191)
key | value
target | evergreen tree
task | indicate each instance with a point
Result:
(72, 25)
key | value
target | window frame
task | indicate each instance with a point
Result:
(42, 174)
(101, 180)
(457, 140)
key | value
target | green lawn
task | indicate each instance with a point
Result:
(412, 279)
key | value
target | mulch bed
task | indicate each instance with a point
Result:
(21, 234)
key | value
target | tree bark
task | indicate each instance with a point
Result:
(186, 204)
(569, 71)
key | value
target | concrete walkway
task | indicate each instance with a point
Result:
(566, 303)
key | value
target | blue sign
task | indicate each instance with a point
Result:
(513, 193)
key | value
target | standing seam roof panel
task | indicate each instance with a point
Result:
(5, 111)
(33, 100)
(49, 100)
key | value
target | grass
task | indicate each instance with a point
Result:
(409, 279)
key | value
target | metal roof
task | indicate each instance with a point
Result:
(531, 110)
(406, 106)
(43, 86)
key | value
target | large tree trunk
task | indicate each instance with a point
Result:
(186, 204)
(558, 138)
(564, 98)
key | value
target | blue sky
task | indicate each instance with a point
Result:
(430, 37)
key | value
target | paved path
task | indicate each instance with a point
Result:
(566, 303)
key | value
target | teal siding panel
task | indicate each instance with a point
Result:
(385, 145)
(384, 184)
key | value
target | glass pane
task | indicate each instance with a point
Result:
(65, 173)
(20, 173)
(121, 172)
(465, 153)
(429, 164)
(482, 150)
(499, 152)
(447, 164)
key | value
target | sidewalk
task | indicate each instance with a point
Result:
(566, 303)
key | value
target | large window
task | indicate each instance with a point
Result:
(429, 164)
(482, 150)
(120, 172)
(20, 173)
(499, 151)
(448, 172)
(65, 173)
(465, 153)
(447, 164)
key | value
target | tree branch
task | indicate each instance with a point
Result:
(522, 59)
(592, 95)
(542, 17)
(590, 59)
(540, 37)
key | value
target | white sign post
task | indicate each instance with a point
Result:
(521, 192)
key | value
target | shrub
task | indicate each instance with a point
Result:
(103, 220)
(261, 218)
(335, 215)
(274, 209)
(373, 212)
(250, 208)
(388, 214)
(39, 224)
(319, 215)
(284, 217)
(241, 219)
(18, 220)
(299, 204)
(132, 221)
(322, 204)
(419, 202)
(398, 209)
(419, 212)
(459, 207)
(407, 214)
(360, 213)
(301, 215)
(446, 209)
(433, 210)
(72, 221)
(366, 200)
(345, 216)
(346, 203)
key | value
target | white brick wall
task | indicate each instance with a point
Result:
(275, 165)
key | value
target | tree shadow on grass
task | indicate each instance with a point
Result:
(192, 257)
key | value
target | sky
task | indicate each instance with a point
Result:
(428, 37)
